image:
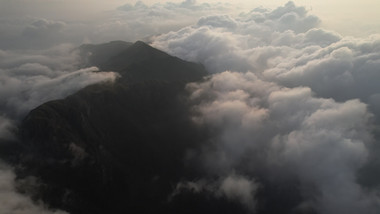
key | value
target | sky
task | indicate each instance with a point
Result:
(296, 81)
(337, 15)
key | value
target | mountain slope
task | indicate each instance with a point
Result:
(131, 146)
(117, 146)
(112, 140)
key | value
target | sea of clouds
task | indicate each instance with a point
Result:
(289, 100)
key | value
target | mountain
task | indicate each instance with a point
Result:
(117, 147)
(140, 62)
(109, 144)
(96, 55)
(131, 146)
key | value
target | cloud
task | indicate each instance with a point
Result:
(32, 33)
(6, 127)
(332, 66)
(291, 104)
(240, 189)
(298, 102)
(343, 70)
(265, 127)
(233, 187)
(231, 42)
(127, 22)
(28, 79)
(12, 202)
(42, 31)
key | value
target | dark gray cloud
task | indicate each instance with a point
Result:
(6, 127)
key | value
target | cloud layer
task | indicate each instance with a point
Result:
(29, 79)
(266, 128)
(283, 46)
(290, 103)
(296, 97)
(127, 22)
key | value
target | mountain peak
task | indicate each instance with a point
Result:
(112, 147)
(141, 43)
(141, 62)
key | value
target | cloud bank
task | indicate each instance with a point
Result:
(268, 129)
(291, 104)
(129, 22)
(287, 99)
(29, 79)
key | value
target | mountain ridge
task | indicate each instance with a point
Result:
(122, 144)
(141, 62)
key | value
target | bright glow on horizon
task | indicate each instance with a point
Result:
(347, 17)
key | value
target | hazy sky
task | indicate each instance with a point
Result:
(348, 17)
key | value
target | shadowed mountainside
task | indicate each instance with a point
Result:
(117, 147)
(124, 147)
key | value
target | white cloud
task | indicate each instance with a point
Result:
(127, 22)
(293, 53)
(31, 78)
(240, 189)
(321, 142)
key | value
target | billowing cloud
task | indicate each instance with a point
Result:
(240, 189)
(29, 79)
(298, 97)
(235, 42)
(289, 103)
(291, 53)
(129, 22)
(343, 70)
(12, 202)
(266, 127)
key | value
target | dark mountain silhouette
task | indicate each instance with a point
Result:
(96, 55)
(140, 62)
(117, 147)
(123, 147)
